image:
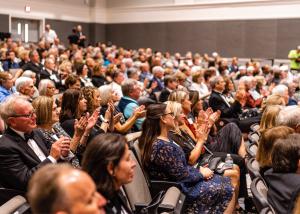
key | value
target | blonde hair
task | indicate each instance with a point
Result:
(268, 119)
(273, 99)
(43, 107)
(178, 96)
(174, 107)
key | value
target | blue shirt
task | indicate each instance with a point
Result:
(5, 93)
(129, 109)
(10, 65)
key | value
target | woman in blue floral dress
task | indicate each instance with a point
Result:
(164, 159)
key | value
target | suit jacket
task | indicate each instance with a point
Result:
(282, 188)
(35, 68)
(18, 161)
(216, 102)
(46, 75)
(164, 95)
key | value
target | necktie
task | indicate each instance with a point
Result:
(28, 136)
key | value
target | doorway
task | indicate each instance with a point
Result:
(26, 30)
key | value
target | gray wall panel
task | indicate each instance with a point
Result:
(4, 23)
(261, 37)
(230, 39)
(192, 35)
(242, 38)
(97, 32)
(288, 36)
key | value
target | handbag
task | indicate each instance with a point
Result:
(214, 163)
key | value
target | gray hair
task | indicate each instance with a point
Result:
(28, 73)
(43, 86)
(21, 82)
(157, 69)
(214, 81)
(128, 86)
(7, 107)
(105, 93)
(289, 116)
(280, 89)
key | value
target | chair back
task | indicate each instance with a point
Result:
(137, 191)
(251, 149)
(259, 191)
(253, 137)
(254, 127)
(268, 210)
(253, 168)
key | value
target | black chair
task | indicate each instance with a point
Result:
(254, 127)
(253, 168)
(140, 200)
(254, 137)
(267, 210)
(259, 191)
(155, 185)
(251, 149)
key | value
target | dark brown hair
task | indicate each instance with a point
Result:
(150, 130)
(69, 105)
(104, 149)
(286, 154)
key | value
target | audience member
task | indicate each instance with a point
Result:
(62, 189)
(108, 161)
(49, 35)
(22, 149)
(266, 145)
(128, 102)
(6, 85)
(170, 164)
(283, 179)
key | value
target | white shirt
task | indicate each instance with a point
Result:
(50, 36)
(35, 148)
(201, 88)
(115, 87)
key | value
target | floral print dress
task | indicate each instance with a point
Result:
(168, 162)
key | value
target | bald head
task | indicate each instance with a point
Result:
(61, 188)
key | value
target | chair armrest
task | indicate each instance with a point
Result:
(172, 202)
(12, 205)
(158, 185)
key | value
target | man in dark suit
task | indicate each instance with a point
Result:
(48, 72)
(23, 149)
(229, 112)
(171, 84)
(34, 65)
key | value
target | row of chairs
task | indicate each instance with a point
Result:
(258, 186)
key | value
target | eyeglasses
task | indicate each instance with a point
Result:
(170, 113)
(30, 115)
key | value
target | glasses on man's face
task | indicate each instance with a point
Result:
(30, 115)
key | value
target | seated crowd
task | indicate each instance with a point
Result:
(65, 113)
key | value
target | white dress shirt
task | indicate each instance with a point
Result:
(35, 148)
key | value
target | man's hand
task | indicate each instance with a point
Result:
(60, 148)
